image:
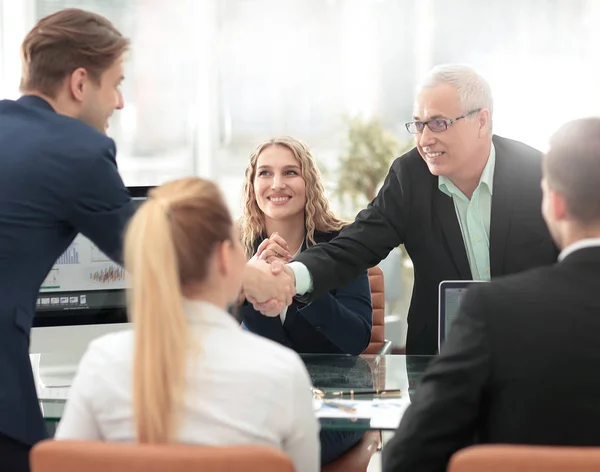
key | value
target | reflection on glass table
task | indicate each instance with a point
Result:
(364, 379)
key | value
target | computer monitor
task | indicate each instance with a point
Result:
(82, 297)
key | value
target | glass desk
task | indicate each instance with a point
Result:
(331, 373)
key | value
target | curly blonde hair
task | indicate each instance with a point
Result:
(317, 215)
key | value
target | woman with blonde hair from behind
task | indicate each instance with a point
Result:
(188, 373)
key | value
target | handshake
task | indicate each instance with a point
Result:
(268, 283)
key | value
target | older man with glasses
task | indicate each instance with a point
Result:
(465, 203)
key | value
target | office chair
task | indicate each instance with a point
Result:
(95, 456)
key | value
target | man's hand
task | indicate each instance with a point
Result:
(269, 288)
(274, 307)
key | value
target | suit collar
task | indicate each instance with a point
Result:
(585, 255)
(35, 101)
(582, 244)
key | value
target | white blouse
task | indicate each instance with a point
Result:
(241, 389)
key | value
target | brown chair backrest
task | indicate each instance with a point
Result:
(502, 458)
(91, 456)
(378, 300)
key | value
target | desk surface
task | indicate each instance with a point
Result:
(333, 372)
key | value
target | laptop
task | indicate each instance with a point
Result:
(450, 295)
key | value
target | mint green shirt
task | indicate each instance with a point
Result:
(474, 217)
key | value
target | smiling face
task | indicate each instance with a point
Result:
(279, 188)
(100, 100)
(454, 151)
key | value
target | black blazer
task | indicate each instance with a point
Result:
(337, 322)
(520, 365)
(58, 177)
(410, 209)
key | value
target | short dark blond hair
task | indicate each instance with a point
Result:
(572, 168)
(65, 41)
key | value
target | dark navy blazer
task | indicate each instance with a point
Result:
(338, 322)
(58, 177)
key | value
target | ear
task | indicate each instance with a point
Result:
(224, 258)
(558, 206)
(484, 122)
(78, 81)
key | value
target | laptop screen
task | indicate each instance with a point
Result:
(450, 296)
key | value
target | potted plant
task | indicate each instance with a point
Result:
(366, 160)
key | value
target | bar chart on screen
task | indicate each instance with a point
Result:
(108, 275)
(70, 256)
(83, 266)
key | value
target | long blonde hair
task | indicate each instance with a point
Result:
(317, 215)
(168, 245)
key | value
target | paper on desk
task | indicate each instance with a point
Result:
(383, 413)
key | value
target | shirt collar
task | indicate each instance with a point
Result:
(200, 312)
(446, 186)
(581, 244)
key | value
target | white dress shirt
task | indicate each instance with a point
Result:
(241, 389)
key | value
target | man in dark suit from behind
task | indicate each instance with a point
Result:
(521, 360)
(58, 177)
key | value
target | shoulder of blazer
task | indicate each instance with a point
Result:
(522, 292)
(509, 149)
(518, 163)
(70, 135)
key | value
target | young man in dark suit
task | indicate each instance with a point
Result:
(464, 202)
(519, 365)
(58, 177)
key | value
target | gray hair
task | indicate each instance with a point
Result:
(473, 90)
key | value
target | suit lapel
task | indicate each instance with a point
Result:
(444, 207)
(502, 201)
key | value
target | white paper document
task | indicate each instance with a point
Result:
(383, 413)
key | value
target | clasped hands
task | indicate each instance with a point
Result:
(268, 283)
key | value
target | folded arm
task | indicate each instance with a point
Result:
(345, 318)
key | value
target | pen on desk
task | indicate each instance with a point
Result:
(354, 393)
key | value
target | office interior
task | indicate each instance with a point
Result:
(207, 80)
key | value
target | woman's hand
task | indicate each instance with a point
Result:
(274, 248)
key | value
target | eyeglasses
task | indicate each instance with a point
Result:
(436, 125)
